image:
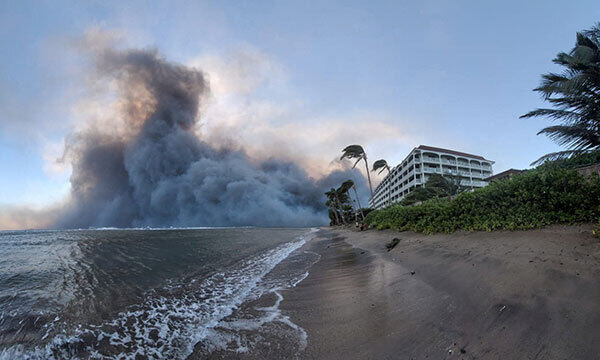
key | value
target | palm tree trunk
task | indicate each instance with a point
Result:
(341, 209)
(335, 215)
(368, 175)
(358, 201)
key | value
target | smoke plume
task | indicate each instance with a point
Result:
(149, 168)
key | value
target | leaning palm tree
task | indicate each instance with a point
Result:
(349, 184)
(382, 165)
(357, 152)
(575, 97)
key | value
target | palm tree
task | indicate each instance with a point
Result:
(335, 196)
(332, 203)
(349, 184)
(343, 199)
(575, 97)
(357, 152)
(383, 165)
(380, 164)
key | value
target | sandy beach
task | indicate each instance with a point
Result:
(497, 295)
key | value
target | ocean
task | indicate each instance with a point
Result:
(148, 293)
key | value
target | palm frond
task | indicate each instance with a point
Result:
(555, 156)
(380, 165)
(346, 185)
(352, 152)
(575, 97)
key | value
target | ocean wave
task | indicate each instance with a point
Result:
(174, 318)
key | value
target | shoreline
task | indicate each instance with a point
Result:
(493, 295)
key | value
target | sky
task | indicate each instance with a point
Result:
(299, 79)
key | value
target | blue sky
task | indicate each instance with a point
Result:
(451, 74)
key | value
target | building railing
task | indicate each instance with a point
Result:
(473, 183)
(450, 171)
(431, 159)
(431, 169)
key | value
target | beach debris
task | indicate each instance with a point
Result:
(412, 272)
(463, 351)
(502, 308)
(392, 244)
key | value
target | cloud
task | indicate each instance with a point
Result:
(222, 140)
(247, 108)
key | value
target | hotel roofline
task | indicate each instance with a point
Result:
(453, 152)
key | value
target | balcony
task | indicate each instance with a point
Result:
(450, 171)
(475, 183)
(432, 170)
(447, 161)
(431, 159)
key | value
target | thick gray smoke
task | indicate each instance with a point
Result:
(159, 173)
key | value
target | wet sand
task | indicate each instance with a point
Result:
(497, 295)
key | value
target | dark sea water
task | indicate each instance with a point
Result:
(127, 294)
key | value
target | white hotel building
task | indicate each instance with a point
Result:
(423, 161)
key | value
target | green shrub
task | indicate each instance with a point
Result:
(529, 200)
(596, 231)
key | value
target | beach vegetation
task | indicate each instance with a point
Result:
(437, 186)
(366, 211)
(346, 186)
(574, 162)
(339, 204)
(528, 200)
(574, 98)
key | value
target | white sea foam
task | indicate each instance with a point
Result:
(171, 321)
(246, 329)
